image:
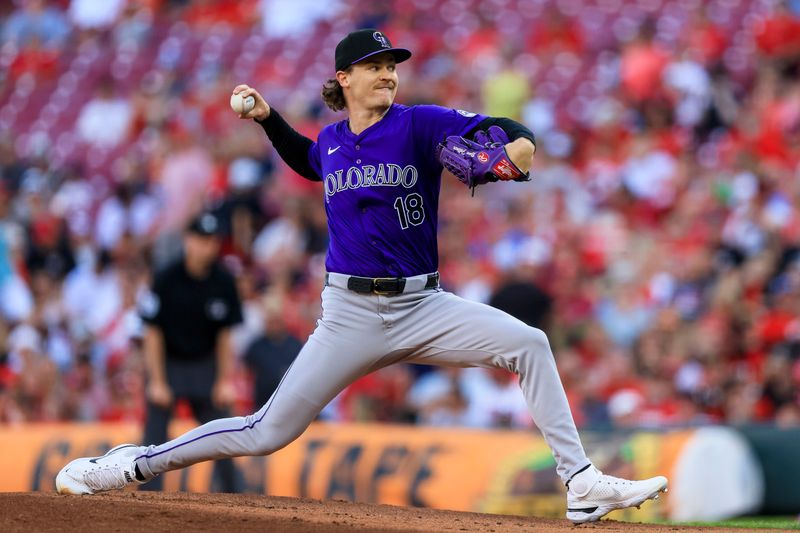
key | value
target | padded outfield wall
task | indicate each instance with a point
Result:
(714, 472)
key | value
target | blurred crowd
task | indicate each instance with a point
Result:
(658, 243)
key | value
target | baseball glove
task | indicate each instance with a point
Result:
(480, 161)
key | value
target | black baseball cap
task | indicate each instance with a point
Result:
(361, 44)
(206, 224)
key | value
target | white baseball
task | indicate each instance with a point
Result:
(242, 105)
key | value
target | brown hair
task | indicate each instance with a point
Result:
(333, 94)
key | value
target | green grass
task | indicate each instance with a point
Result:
(755, 522)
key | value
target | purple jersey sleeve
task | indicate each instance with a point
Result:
(432, 123)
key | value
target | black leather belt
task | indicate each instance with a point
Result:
(385, 286)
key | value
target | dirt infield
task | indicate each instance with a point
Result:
(125, 512)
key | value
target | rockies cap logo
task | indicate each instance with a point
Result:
(378, 36)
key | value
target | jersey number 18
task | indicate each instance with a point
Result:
(409, 210)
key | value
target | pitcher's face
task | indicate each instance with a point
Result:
(372, 83)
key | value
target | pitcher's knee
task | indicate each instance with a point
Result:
(524, 337)
(535, 345)
(269, 438)
(269, 445)
(536, 340)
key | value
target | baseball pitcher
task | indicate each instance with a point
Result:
(380, 170)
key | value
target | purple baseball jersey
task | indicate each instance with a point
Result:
(382, 189)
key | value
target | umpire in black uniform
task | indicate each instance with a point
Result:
(188, 352)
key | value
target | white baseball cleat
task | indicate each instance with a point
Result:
(90, 475)
(591, 494)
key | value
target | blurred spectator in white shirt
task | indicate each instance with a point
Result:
(126, 212)
(92, 294)
(95, 14)
(105, 120)
(280, 244)
(693, 84)
(494, 399)
(650, 173)
(437, 399)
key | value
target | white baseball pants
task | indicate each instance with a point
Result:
(360, 333)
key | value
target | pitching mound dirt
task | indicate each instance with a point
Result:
(124, 512)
